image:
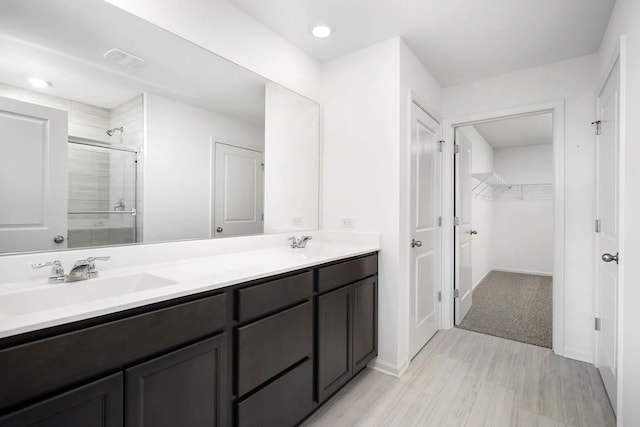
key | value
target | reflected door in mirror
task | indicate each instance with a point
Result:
(33, 177)
(238, 195)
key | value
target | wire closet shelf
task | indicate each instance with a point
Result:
(491, 186)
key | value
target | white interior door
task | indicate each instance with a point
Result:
(238, 191)
(463, 279)
(608, 144)
(33, 177)
(425, 211)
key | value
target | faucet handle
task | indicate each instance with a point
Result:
(55, 263)
(57, 270)
(98, 258)
(92, 264)
(294, 242)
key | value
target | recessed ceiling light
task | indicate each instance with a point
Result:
(40, 83)
(321, 31)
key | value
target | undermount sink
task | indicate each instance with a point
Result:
(49, 297)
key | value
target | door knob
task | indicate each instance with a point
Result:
(609, 257)
(219, 229)
(58, 239)
(416, 243)
(473, 232)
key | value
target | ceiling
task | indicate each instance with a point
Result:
(518, 132)
(457, 40)
(63, 43)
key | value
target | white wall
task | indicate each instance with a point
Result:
(624, 21)
(523, 229)
(292, 161)
(366, 105)
(481, 210)
(360, 164)
(572, 80)
(177, 166)
(525, 165)
(227, 31)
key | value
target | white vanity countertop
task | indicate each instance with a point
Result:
(191, 276)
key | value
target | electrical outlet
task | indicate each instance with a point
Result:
(296, 220)
(348, 222)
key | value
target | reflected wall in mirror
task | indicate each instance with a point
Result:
(134, 135)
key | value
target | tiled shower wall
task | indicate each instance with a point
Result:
(98, 180)
(130, 116)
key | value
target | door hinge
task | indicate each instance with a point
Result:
(440, 145)
(597, 324)
(262, 216)
(598, 226)
(456, 148)
(456, 293)
(598, 124)
(262, 164)
(439, 221)
(456, 221)
(439, 296)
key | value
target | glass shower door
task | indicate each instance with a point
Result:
(102, 195)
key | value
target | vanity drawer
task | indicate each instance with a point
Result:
(43, 366)
(284, 402)
(341, 274)
(261, 299)
(271, 345)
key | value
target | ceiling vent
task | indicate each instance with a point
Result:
(122, 57)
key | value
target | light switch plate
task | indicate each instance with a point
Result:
(296, 220)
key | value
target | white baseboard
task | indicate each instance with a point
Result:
(482, 278)
(582, 356)
(388, 368)
(517, 270)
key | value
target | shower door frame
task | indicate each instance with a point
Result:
(136, 152)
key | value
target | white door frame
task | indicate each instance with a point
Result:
(619, 53)
(415, 99)
(557, 109)
(405, 249)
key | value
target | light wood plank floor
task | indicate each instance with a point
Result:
(463, 378)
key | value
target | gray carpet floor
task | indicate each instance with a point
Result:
(513, 306)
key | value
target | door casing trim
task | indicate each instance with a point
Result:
(557, 109)
(618, 54)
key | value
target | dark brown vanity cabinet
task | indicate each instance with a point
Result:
(273, 363)
(183, 388)
(168, 364)
(347, 322)
(263, 353)
(97, 404)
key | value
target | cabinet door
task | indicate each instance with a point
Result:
(365, 322)
(185, 388)
(334, 341)
(98, 404)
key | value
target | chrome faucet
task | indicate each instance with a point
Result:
(299, 243)
(56, 275)
(85, 269)
(82, 270)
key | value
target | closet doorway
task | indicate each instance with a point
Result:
(504, 227)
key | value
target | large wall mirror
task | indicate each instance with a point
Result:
(114, 131)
